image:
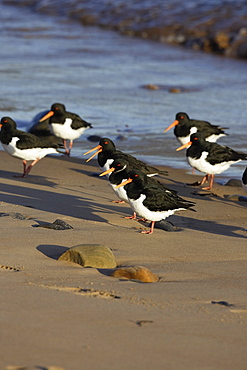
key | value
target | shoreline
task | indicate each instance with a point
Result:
(219, 29)
(53, 313)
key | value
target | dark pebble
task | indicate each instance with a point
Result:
(15, 215)
(94, 138)
(56, 225)
(233, 182)
(164, 225)
(223, 303)
(121, 138)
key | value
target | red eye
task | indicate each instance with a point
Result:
(195, 138)
(182, 117)
(119, 165)
(136, 175)
(106, 142)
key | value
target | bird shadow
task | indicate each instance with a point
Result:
(33, 179)
(210, 227)
(82, 205)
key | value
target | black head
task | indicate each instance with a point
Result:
(182, 117)
(58, 108)
(197, 138)
(8, 123)
(107, 144)
(138, 177)
(120, 165)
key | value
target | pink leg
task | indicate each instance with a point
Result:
(67, 150)
(205, 178)
(31, 166)
(118, 201)
(210, 183)
(24, 169)
(131, 217)
(151, 229)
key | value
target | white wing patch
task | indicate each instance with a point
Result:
(202, 165)
(138, 207)
(65, 131)
(26, 154)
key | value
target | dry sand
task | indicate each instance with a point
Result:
(60, 315)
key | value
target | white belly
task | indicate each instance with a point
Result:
(138, 207)
(65, 131)
(26, 154)
(203, 166)
(107, 165)
(120, 192)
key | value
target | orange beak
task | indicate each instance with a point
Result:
(124, 183)
(175, 123)
(108, 171)
(1, 125)
(48, 115)
(184, 146)
(98, 148)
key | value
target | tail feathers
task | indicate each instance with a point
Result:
(163, 173)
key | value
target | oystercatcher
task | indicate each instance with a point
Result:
(210, 158)
(66, 125)
(24, 145)
(107, 152)
(244, 180)
(42, 129)
(118, 173)
(151, 200)
(185, 127)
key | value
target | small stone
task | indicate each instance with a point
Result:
(94, 138)
(164, 225)
(90, 255)
(135, 273)
(56, 225)
(121, 138)
(175, 90)
(233, 182)
(222, 303)
(151, 87)
(15, 215)
(237, 198)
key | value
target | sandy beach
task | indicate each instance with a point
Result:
(58, 315)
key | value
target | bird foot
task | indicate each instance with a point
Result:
(20, 176)
(207, 188)
(118, 201)
(147, 232)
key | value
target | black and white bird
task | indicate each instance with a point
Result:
(244, 179)
(24, 145)
(185, 127)
(210, 158)
(65, 125)
(119, 171)
(42, 129)
(107, 153)
(151, 200)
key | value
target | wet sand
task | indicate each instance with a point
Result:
(59, 315)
